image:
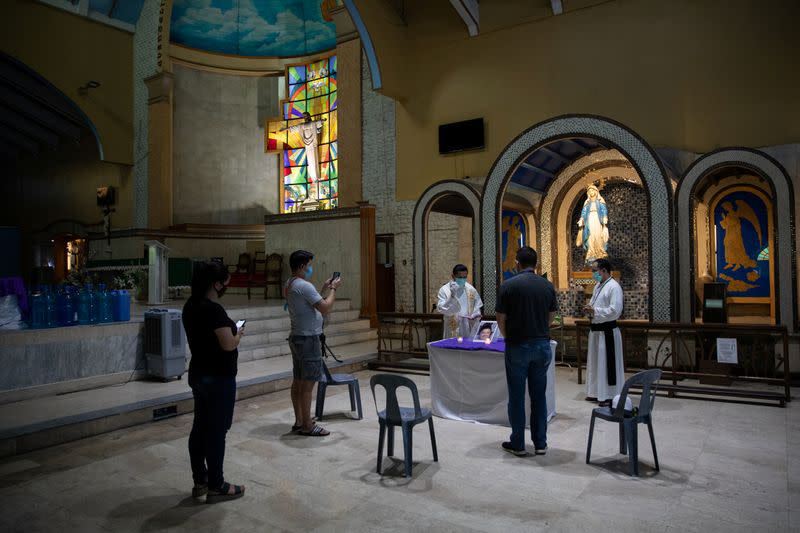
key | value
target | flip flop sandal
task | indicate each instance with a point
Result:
(297, 428)
(316, 431)
(223, 494)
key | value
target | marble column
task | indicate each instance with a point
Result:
(159, 143)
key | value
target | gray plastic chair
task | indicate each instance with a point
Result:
(338, 379)
(405, 417)
(629, 420)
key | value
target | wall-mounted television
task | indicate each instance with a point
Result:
(461, 136)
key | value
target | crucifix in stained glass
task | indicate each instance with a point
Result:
(306, 135)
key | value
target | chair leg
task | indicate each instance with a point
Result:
(321, 386)
(632, 433)
(390, 445)
(622, 439)
(358, 401)
(381, 438)
(407, 446)
(248, 292)
(352, 392)
(653, 443)
(591, 436)
(433, 440)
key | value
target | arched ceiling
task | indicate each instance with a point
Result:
(254, 28)
(547, 162)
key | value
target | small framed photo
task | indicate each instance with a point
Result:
(487, 330)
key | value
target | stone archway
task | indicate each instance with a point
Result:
(640, 155)
(783, 194)
(421, 211)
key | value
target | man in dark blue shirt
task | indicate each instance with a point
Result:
(525, 307)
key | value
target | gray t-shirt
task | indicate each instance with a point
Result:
(302, 296)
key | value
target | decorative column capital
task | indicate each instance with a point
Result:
(159, 87)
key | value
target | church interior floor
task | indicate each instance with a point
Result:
(724, 467)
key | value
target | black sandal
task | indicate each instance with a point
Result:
(199, 490)
(316, 431)
(224, 493)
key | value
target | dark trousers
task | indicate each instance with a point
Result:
(527, 361)
(214, 397)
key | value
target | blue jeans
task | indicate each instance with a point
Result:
(527, 361)
(213, 413)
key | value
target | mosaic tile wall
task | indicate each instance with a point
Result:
(635, 304)
(647, 166)
(629, 234)
(145, 42)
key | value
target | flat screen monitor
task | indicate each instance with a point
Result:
(461, 136)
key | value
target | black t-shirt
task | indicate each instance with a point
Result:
(200, 318)
(527, 300)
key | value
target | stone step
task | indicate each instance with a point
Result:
(262, 325)
(277, 335)
(274, 311)
(282, 348)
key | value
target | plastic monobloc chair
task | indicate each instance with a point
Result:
(629, 420)
(405, 417)
(338, 379)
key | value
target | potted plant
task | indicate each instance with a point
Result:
(133, 280)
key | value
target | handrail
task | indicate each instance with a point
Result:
(690, 352)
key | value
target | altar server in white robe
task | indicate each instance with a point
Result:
(460, 304)
(605, 371)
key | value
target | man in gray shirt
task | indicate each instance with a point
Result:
(306, 307)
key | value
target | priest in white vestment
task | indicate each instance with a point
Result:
(605, 370)
(460, 304)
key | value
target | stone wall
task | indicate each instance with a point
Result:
(447, 243)
(221, 174)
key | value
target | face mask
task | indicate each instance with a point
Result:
(309, 271)
(461, 281)
(597, 277)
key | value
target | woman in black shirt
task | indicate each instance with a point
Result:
(213, 340)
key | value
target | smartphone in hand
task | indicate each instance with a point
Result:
(240, 324)
(336, 275)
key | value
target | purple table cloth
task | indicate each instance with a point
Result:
(467, 344)
(14, 285)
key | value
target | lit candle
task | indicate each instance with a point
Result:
(460, 339)
(487, 341)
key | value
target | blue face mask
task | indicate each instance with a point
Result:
(309, 271)
(597, 277)
(461, 281)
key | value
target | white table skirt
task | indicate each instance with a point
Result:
(471, 385)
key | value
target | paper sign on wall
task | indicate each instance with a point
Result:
(727, 351)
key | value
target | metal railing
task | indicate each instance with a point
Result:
(689, 351)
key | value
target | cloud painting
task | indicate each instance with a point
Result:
(260, 28)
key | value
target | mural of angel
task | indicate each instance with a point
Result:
(512, 224)
(736, 256)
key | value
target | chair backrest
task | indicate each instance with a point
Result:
(648, 379)
(391, 382)
(243, 265)
(274, 267)
(325, 369)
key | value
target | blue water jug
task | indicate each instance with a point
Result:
(66, 312)
(104, 312)
(84, 306)
(121, 305)
(94, 304)
(38, 309)
(52, 307)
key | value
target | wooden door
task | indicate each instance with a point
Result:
(384, 273)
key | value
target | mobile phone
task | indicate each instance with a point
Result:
(336, 275)
(240, 324)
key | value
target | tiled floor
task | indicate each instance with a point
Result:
(724, 467)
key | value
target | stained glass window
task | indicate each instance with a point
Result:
(311, 88)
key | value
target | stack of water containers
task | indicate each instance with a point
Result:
(65, 305)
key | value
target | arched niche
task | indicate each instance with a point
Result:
(635, 150)
(760, 164)
(462, 193)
